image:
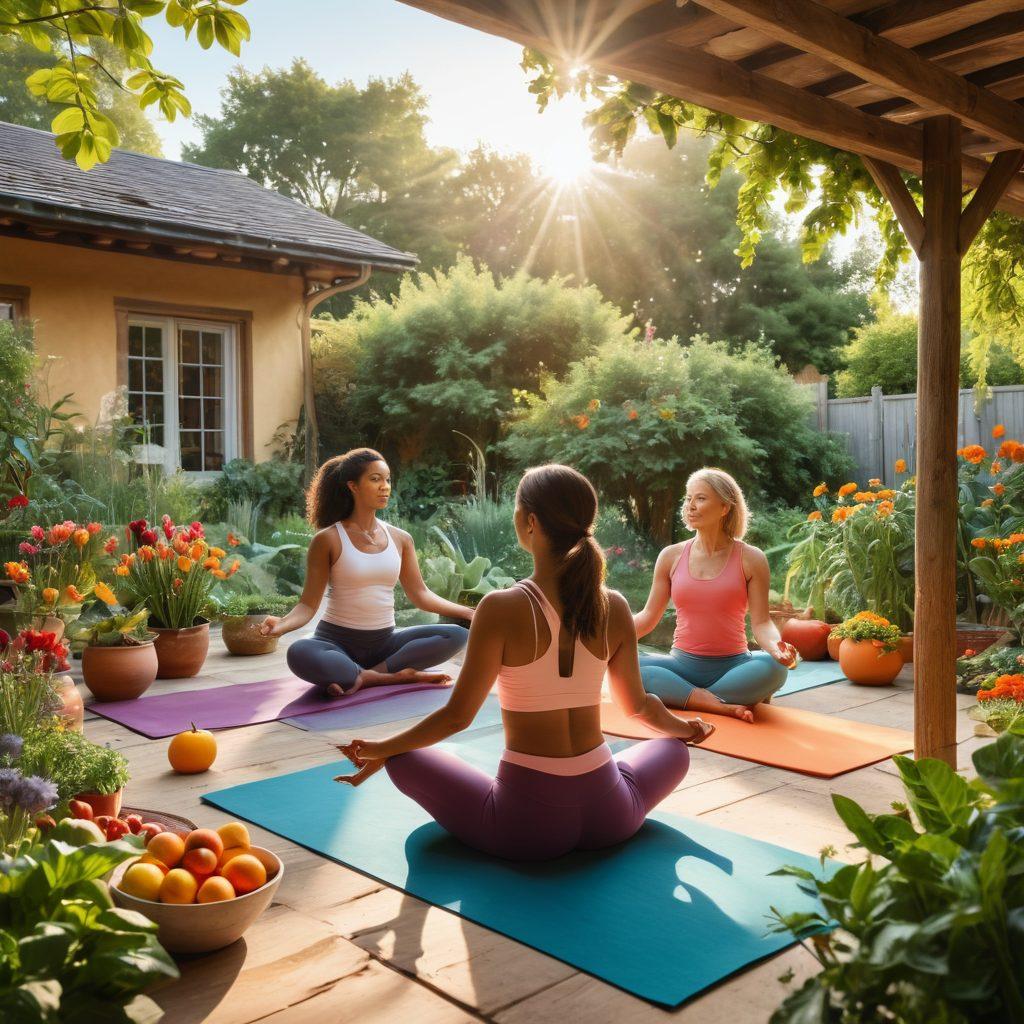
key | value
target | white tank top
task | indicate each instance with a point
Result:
(362, 586)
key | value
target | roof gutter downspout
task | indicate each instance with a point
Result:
(312, 298)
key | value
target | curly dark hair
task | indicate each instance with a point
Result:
(328, 499)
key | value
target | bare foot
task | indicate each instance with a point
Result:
(371, 677)
(708, 703)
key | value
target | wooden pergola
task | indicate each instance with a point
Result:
(925, 86)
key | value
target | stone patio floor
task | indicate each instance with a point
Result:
(338, 946)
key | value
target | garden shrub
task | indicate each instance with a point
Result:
(638, 418)
(272, 488)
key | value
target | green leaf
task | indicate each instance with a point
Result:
(939, 797)
(45, 950)
(856, 819)
(71, 119)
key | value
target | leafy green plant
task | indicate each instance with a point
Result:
(256, 604)
(1000, 714)
(66, 953)
(117, 629)
(273, 488)
(75, 764)
(933, 930)
(450, 576)
(869, 626)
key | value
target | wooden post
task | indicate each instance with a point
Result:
(875, 434)
(938, 361)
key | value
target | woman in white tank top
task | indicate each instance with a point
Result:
(358, 560)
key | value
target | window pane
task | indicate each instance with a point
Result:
(6, 310)
(189, 381)
(154, 343)
(214, 449)
(213, 348)
(134, 374)
(212, 381)
(191, 455)
(134, 340)
(155, 375)
(135, 407)
(190, 413)
(188, 346)
(212, 414)
(156, 436)
(154, 409)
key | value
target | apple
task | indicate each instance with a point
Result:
(134, 823)
(77, 832)
(80, 809)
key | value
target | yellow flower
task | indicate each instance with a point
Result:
(184, 564)
(901, 466)
(50, 595)
(105, 594)
(122, 570)
(81, 538)
(821, 489)
(814, 517)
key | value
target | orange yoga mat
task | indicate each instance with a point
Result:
(800, 741)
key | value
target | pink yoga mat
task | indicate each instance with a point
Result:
(234, 705)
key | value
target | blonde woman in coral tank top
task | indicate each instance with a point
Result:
(548, 642)
(714, 580)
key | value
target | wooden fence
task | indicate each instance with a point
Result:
(880, 429)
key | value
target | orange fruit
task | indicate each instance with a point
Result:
(200, 861)
(167, 847)
(143, 881)
(147, 859)
(214, 890)
(193, 751)
(178, 886)
(204, 838)
(234, 833)
(245, 872)
(231, 851)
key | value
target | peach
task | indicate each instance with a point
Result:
(200, 861)
(234, 833)
(245, 872)
(214, 890)
(178, 886)
(166, 847)
(147, 859)
(231, 851)
(204, 838)
(143, 881)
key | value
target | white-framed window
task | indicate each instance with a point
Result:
(183, 388)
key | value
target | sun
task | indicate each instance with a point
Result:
(564, 157)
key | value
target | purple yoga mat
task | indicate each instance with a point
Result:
(227, 707)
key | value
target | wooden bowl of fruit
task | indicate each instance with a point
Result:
(203, 889)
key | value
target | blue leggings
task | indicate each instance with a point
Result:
(734, 679)
(337, 654)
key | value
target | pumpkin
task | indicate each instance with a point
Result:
(192, 751)
(808, 636)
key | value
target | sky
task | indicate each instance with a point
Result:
(476, 89)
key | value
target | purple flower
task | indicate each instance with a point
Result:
(10, 780)
(35, 794)
(10, 746)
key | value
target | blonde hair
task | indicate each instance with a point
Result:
(734, 523)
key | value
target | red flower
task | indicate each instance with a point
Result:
(147, 537)
(168, 526)
(137, 526)
(36, 640)
(93, 529)
(18, 501)
(111, 546)
(5, 639)
(196, 531)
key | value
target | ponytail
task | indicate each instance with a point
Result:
(329, 499)
(565, 503)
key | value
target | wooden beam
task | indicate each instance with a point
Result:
(941, 15)
(1004, 168)
(814, 28)
(894, 188)
(656, 22)
(938, 384)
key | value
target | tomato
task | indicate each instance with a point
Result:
(80, 809)
(115, 829)
(134, 823)
(102, 821)
(44, 822)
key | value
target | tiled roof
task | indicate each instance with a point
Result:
(176, 202)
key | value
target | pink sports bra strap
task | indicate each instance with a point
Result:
(532, 600)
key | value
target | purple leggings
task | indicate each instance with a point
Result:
(525, 814)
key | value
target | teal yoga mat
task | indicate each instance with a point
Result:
(676, 909)
(809, 674)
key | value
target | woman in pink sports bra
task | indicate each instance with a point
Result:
(714, 579)
(548, 641)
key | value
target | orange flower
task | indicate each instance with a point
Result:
(146, 553)
(93, 528)
(887, 493)
(233, 541)
(81, 538)
(217, 552)
(235, 566)
(633, 414)
(220, 574)
(122, 570)
(582, 421)
(865, 497)
(875, 482)
(594, 404)
(17, 572)
(50, 595)
(197, 551)
(884, 509)
(211, 563)
(840, 515)
(177, 584)
(979, 543)
(184, 564)
(163, 551)
(821, 489)
(997, 490)
(987, 502)
(900, 466)
(973, 453)
(105, 594)
(180, 545)
(847, 489)
(997, 467)
(998, 431)
(814, 517)
(970, 652)
(1017, 455)
(72, 594)
(1016, 538)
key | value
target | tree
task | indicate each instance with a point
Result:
(82, 37)
(19, 60)
(359, 155)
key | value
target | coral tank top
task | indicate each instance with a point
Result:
(710, 614)
(537, 686)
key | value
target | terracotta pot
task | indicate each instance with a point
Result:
(72, 709)
(119, 673)
(971, 636)
(833, 645)
(241, 635)
(861, 663)
(907, 648)
(180, 653)
(103, 803)
(808, 636)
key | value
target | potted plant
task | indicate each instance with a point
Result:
(870, 650)
(29, 691)
(174, 578)
(81, 769)
(242, 616)
(1000, 704)
(119, 660)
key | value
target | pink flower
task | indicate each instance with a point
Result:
(111, 546)
(168, 527)
(38, 532)
(28, 549)
(196, 531)
(620, 551)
